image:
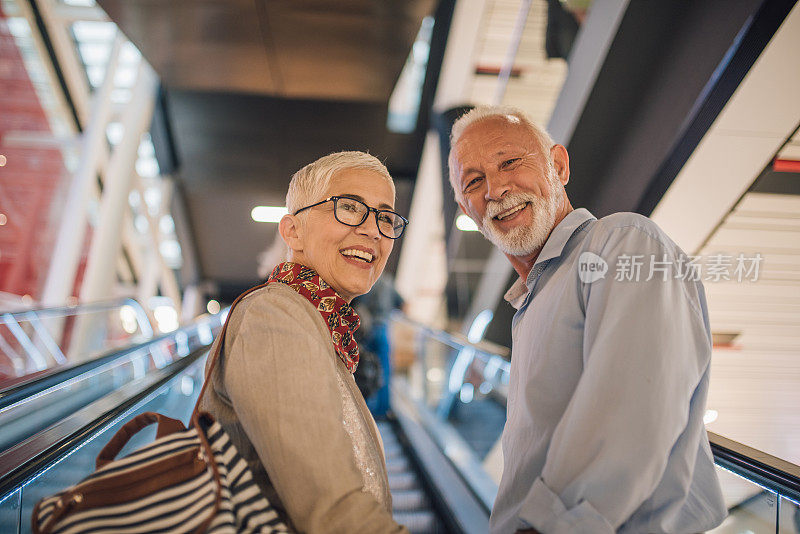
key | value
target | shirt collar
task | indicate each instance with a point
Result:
(553, 248)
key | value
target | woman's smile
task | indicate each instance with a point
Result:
(361, 257)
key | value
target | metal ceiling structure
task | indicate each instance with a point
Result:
(350, 50)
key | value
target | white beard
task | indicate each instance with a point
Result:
(526, 239)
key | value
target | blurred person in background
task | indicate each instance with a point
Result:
(378, 305)
(609, 374)
(284, 389)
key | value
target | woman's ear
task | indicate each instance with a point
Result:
(291, 231)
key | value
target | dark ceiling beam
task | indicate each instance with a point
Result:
(666, 77)
(748, 45)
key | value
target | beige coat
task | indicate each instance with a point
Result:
(294, 412)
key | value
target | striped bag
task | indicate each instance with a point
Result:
(187, 480)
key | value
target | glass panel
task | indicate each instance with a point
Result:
(9, 512)
(463, 386)
(23, 418)
(751, 508)
(176, 399)
(36, 412)
(790, 517)
(34, 341)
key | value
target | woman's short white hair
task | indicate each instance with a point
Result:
(309, 184)
(482, 113)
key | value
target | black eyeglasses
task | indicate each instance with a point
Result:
(352, 212)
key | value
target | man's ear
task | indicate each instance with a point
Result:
(291, 231)
(560, 158)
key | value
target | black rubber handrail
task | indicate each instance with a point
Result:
(453, 499)
(57, 375)
(767, 471)
(25, 461)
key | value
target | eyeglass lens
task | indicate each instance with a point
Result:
(352, 212)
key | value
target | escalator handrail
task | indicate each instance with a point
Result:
(452, 340)
(769, 472)
(25, 461)
(58, 375)
(453, 497)
(447, 440)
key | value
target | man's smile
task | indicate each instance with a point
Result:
(511, 212)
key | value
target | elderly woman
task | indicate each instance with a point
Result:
(283, 388)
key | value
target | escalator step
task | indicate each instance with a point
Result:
(394, 452)
(403, 481)
(384, 427)
(410, 501)
(410, 505)
(398, 465)
(419, 522)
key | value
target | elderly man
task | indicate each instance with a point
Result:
(611, 348)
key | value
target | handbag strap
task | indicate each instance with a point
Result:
(195, 417)
(166, 426)
(218, 347)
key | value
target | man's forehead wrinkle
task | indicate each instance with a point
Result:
(472, 159)
(487, 141)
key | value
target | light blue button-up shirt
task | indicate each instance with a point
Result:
(609, 376)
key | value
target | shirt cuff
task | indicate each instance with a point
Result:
(543, 510)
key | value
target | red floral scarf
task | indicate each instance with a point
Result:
(340, 317)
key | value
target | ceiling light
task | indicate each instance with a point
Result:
(213, 307)
(271, 214)
(465, 224)
(3, 160)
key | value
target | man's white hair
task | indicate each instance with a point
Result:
(309, 184)
(481, 113)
